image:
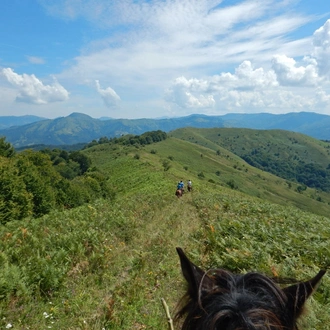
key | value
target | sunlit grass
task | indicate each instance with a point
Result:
(106, 265)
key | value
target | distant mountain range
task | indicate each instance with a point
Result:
(80, 128)
(9, 121)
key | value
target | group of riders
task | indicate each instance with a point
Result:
(180, 187)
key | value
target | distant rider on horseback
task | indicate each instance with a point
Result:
(181, 186)
(189, 185)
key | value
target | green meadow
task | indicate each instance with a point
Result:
(107, 264)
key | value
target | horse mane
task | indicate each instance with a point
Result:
(220, 299)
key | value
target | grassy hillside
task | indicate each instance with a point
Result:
(214, 166)
(106, 265)
(290, 155)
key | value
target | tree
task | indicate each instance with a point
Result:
(15, 202)
(83, 161)
(6, 149)
(39, 177)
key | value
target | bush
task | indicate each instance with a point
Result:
(231, 183)
(15, 201)
(201, 175)
(166, 165)
(6, 149)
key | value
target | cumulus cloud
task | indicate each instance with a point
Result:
(188, 93)
(109, 96)
(289, 73)
(246, 77)
(241, 88)
(321, 43)
(31, 90)
(254, 89)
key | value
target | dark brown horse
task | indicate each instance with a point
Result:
(179, 192)
(219, 299)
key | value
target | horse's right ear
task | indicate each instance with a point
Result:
(298, 294)
(194, 275)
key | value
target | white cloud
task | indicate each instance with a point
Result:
(284, 87)
(178, 34)
(321, 43)
(31, 90)
(288, 73)
(109, 96)
(245, 78)
(35, 60)
(189, 93)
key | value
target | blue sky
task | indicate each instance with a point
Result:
(163, 58)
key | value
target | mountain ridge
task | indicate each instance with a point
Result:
(81, 128)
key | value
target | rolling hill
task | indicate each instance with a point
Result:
(289, 155)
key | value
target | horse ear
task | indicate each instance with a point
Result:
(297, 294)
(194, 276)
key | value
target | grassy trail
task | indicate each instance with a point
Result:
(150, 269)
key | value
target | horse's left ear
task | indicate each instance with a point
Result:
(298, 294)
(194, 275)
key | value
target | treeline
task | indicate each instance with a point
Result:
(32, 183)
(309, 174)
(143, 139)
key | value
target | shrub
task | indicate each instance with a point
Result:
(15, 201)
(166, 165)
(6, 149)
(231, 183)
(201, 175)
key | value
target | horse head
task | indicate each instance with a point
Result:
(219, 299)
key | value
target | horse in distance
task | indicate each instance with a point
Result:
(179, 193)
(219, 299)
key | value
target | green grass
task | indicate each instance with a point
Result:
(242, 140)
(289, 155)
(108, 264)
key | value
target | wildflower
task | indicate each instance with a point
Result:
(24, 232)
(9, 325)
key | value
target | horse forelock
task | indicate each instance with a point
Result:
(250, 301)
